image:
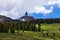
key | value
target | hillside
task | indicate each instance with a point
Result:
(47, 34)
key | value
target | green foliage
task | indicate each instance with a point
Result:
(28, 35)
(39, 27)
(28, 26)
(45, 31)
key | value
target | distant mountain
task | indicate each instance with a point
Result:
(26, 17)
(4, 19)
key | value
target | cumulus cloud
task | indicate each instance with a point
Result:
(10, 8)
(42, 10)
(17, 8)
(52, 2)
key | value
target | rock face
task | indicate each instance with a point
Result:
(23, 18)
(4, 19)
(26, 18)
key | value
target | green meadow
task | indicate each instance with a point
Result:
(50, 32)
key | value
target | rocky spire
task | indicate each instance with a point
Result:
(26, 14)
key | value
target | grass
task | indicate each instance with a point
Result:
(28, 35)
(24, 36)
(51, 27)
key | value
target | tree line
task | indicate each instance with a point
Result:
(48, 20)
(10, 27)
(6, 27)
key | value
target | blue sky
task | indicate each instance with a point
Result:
(36, 8)
(54, 14)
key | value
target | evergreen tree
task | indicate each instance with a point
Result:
(39, 27)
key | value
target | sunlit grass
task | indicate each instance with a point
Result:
(30, 35)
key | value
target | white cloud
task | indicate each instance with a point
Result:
(3, 13)
(10, 8)
(17, 8)
(52, 2)
(43, 10)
